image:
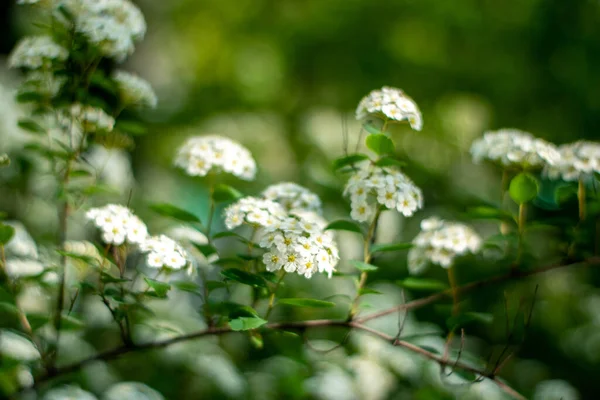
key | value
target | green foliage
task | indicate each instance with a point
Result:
(171, 211)
(348, 160)
(363, 266)
(423, 284)
(380, 143)
(160, 288)
(310, 303)
(523, 188)
(344, 225)
(223, 193)
(6, 233)
(244, 277)
(246, 323)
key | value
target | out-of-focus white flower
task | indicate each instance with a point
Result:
(372, 380)
(21, 244)
(440, 242)
(131, 391)
(24, 377)
(164, 252)
(68, 392)
(332, 384)
(512, 147)
(391, 104)
(293, 197)
(577, 160)
(254, 211)
(555, 389)
(118, 225)
(113, 26)
(33, 52)
(17, 267)
(43, 3)
(189, 238)
(135, 90)
(92, 119)
(372, 186)
(17, 347)
(43, 82)
(201, 154)
(112, 167)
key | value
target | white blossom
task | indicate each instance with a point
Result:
(131, 391)
(17, 347)
(577, 160)
(43, 82)
(33, 52)
(555, 389)
(111, 166)
(21, 244)
(293, 197)
(440, 242)
(135, 90)
(201, 154)
(118, 225)
(511, 147)
(17, 267)
(254, 211)
(113, 26)
(372, 186)
(92, 119)
(68, 392)
(164, 252)
(391, 104)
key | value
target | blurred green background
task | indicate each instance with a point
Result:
(284, 77)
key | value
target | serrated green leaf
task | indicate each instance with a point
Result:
(344, 225)
(171, 211)
(246, 323)
(523, 188)
(363, 266)
(244, 277)
(224, 193)
(311, 303)
(350, 159)
(380, 143)
(412, 283)
(6, 233)
(384, 247)
(160, 288)
(30, 126)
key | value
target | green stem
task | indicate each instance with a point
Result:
(581, 198)
(504, 227)
(453, 288)
(272, 296)
(521, 226)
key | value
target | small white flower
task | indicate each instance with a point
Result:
(118, 225)
(253, 211)
(92, 119)
(35, 52)
(16, 267)
(272, 261)
(578, 160)
(135, 90)
(17, 347)
(392, 104)
(293, 197)
(164, 252)
(199, 155)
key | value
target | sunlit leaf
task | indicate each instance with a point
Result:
(344, 225)
(224, 193)
(363, 266)
(244, 277)
(523, 188)
(160, 288)
(310, 303)
(424, 284)
(380, 143)
(246, 323)
(171, 211)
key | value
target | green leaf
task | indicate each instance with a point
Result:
(206, 249)
(78, 257)
(9, 308)
(187, 286)
(226, 234)
(212, 285)
(29, 97)
(4, 160)
(350, 159)
(133, 128)
(70, 323)
(30, 126)
(311, 303)
(372, 128)
(486, 212)
(107, 278)
(6, 233)
(368, 291)
(246, 323)
(523, 188)
(423, 284)
(390, 162)
(378, 248)
(36, 321)
(467, 318)
(171, 211)
(380, 143)
(244, 277)
(344, 225)
(224, 192)
(363, 266)
(160, 288)
(232, 310)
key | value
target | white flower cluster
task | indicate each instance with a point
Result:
(164, 252)
(254, 211)
(135, 90)
(511, 147)
(35, 52)
(293, 197)
(392, 104)
(92, 119)
(112, 25)
(198, 155)
(294, 241)
(118, 225)
(43, 82)
(372, 186)
(576, 160)
(440, 242)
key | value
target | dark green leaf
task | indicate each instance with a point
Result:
(36, 321)
(30, 126)
(29, 97)
(134, 128)
(363, 266)
(246, 323)
(160, 288)
(187, 286)
(107, 278)
(380, 143)
(344, 225)
(467, 318)
(232, 310)
(226, 193)
(523, 188)
(350, 159)
(99, 189)
(206, 249)
(6, 233)
(9, 308)
(466, 375)
(485, 212)
(212, 285)
(377, 248)
(311, 303)
(70, 322)
(433, 285)
(171, 211)
(78, 257)
(244, 277)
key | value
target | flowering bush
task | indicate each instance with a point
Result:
(278, 239)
